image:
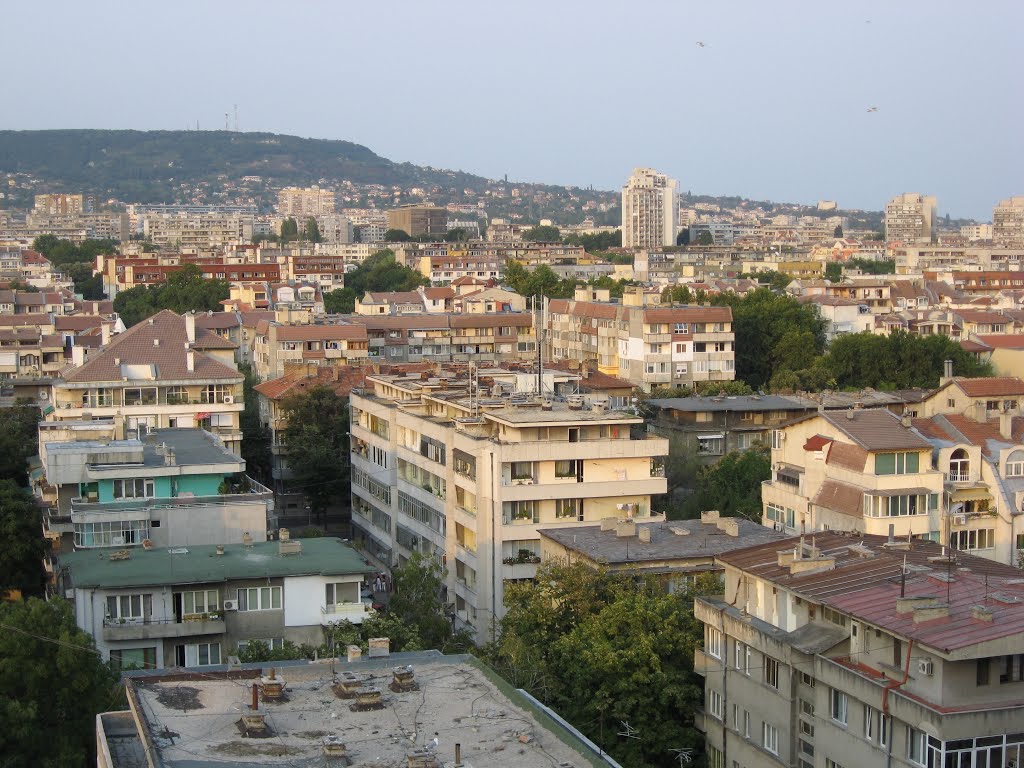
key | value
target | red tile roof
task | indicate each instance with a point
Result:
(135, 347)
(840, 497)
(1003, 340)
(848, 456)
(816, 443)
(996, 386)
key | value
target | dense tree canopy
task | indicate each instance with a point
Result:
(596, 241)
(22, 555)
(77, 261)
(417, 601)
(731, 485)
(604, 649)
(396, 236)
(312, 231)
(874, 266)
(378, 272)
(289, 230)
(184, 291)
(54, 685)
(318, 445)
(255, 436)
(542, 234)
(19, 440)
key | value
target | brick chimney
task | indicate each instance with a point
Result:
(190, 327)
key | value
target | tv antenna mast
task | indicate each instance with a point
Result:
(227, 125)
(236, 118)
(684, 755)
(629, 731)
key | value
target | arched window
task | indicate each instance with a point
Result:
(1015, 464)
(959, 466)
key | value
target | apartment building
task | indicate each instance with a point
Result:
(417, 219)
(711, 427)
(863, 470)
(303, 202)
(943, 258)
(171, 487)
(276, 346)
(910, 218)
(196, 231)
(839, 650)
(194, 606)
(160, 373)
(650, 209)
(62, 204)
(1008, 222)
(651, 347)
(456, 468)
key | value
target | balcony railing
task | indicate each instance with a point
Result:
(353, 612)
(153, 628)
(958, 477)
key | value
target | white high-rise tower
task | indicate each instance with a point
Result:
(650, 209)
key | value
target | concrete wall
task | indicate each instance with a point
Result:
(304, 597)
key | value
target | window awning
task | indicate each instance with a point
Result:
(711, 437)
(902, 492)
(970, 494)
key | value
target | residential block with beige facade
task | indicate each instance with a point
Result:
(651, 347)
(911, 218)
(842, 651)
(460, 469)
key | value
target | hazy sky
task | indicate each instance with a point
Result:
(773, 107)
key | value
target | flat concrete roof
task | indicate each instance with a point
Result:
(198, 565)
(191, 446)
(670, 540)
(192, 719)
(733, 403)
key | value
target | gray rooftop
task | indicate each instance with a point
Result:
(668, 541)
(202, 565)
(733, 403)
(458, 700)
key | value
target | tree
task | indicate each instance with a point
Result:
(255, 446)
(705, 238)
(340, 301)
(185, 290)
(55, 686)
(77, 261)
(289, 230)
(596, 241)
(19, 440)
(676, 294)
(833, 271)
(312, 232)
(318, 445)
(683, 238)
(456, 235)
(396, 236)
(838, 231)
(543, 234)
(417, 601)
(603, 648)
(874, 266)
(732, 485)
(21, 565)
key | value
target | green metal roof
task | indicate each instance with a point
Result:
(201, 564)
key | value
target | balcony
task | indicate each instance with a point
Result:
(352, 612)
(257, 493)
(155, 629)
(958, 477)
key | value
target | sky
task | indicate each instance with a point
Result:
(774, 106)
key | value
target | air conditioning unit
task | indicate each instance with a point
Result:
(959, 519)
(925, 666)
(230, 605)
(228, 399)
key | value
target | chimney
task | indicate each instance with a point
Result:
(77, 356)
(105, 333)
(710, 516)
(644, 534)
(625, 528)
(1006, 425)
(608, 523)
(905, 421)
(190, 326)
(947, 372)
(190, 360)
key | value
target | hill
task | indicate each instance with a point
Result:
(151, 166)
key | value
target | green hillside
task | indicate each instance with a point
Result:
(151, 166)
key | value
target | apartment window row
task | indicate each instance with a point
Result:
(781, 515)
(900, 463)
(116, 533)
(900, 505)
(141, 488)
(378, 518)
(433, 449)
(259, 599)
(464, 464)
(416, 475)
(377, 490)
(981, 538)
(422, 513)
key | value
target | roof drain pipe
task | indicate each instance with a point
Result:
(892, 685)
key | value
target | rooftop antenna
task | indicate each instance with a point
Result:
(236, 118)
(227, 125)
(903, 578)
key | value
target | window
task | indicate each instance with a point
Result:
(981, 538)
(521, 470)
(569, 468)
(129, 608)
(681, 369)
(715, 704)
(982, 673)
(742, 657)
(1013, 669)
(520, 512)
(713, 642)
(806, 707)
(338, 593)
(770, 738)
(716, 759)
(710, 445)
(871, 716)
(807, 679)
(959, 466)
(465, 464)
(897, 463)
(830, 763)
(198, 655)
(199, 602)
(117, 533)
(777, 438)
(916, 745)
(1015, 464)
(569, 508)
(134, 489)
(897, 653)
(771, 672)
(746, 724)
(259, 599)
(839, 706)
(133, 658)
(682, 328)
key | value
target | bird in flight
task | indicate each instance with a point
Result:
(700, 44)
(872, 109)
